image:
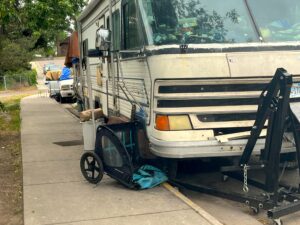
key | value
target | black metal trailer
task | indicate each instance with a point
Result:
(279, 200)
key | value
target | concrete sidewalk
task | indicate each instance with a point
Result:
(55, 191)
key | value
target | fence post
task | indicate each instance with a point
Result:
(4, 81)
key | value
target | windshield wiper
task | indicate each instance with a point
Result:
(260, 37)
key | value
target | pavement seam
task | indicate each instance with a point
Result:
(44, 161)
(66, 182)
(51, 183)
(198, 209)
(115, 217)
(76, 118)
(59, 160)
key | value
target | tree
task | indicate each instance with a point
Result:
(46, 22)
(27, 26)
(52, 20)
(8, 14)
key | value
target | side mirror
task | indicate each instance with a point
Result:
(103, 39)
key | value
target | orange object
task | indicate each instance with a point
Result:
(162, 123)
(53, 75)
(73, 48)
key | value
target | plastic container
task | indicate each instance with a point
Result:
(89, 135)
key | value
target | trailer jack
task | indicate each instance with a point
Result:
(274, 107)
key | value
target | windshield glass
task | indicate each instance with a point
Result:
(278, 20)
(197, 21)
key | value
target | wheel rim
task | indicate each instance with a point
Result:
(91, 168)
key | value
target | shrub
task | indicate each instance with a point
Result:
(2, 107)
(19, 78)
(14, 56)
(31, 77)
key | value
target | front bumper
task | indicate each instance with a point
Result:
(204, 149)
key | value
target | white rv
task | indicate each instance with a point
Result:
(193, 68)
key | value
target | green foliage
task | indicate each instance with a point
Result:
(2, 107)
(9, 15)
(31, 77)
(33, 26)
(29, 27)
(14, 55)
(52, 19)
(10, 120)
(19, 78)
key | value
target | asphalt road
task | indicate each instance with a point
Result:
(230, 212)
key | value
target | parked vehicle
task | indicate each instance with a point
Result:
(66, 90)
(194, 69)
(53, 88)
(50, 67)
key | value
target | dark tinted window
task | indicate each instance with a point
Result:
(85, 47)
(130, 23)
(116, 30)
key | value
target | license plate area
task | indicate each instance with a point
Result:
(295, 90)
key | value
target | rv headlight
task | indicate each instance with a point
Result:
(173, 123)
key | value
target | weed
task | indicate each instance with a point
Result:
(2, 107)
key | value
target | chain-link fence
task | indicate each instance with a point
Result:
(13, 81)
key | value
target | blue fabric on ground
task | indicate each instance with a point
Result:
(65, 74)
(148, 177)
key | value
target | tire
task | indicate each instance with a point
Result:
(89, 167)
(57, 98)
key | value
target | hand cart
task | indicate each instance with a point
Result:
(116, 154)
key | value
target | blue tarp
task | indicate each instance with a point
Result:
(148, 177)
(65, 74)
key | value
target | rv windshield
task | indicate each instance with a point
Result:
(281, 22)
(197, 21)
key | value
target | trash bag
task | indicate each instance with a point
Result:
(148, 177)
(65, 74)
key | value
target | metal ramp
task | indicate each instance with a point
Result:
(282, 116)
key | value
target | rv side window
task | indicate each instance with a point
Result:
(85, 47)
(107, 23)
(130, 26)
(116, 30)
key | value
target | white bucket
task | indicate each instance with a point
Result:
(89, 137)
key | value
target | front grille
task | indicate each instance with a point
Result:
(206, 102)
(211, 104)
(226, 117)
(210, 88)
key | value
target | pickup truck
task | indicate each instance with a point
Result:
(66, 90)
(61, 90)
